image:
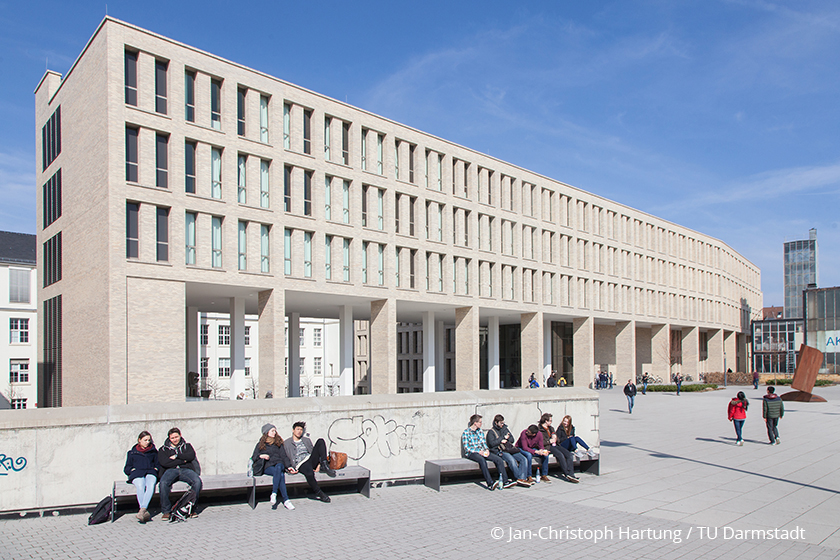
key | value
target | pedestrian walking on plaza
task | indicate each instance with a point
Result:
(178, 462)
(738, 414)
(630, 392)
(645, 381)
(755, 379)
(678, 379)
(143, 469)
(474, 444)
(611, 381)
(772, 410)
(270, 450)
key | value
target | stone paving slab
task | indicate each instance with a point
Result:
(669, 471)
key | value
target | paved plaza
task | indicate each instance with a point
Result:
(672, 485)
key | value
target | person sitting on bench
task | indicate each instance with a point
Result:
(475, 447)
(308, 459)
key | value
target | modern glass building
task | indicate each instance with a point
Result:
(822, 325)
(776, 344)
(801, 272)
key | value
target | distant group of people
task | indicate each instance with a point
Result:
(538, 441)
(147, 466)
(604, 380)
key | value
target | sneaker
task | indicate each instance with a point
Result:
(509, 484)
(141, 515)
(545, 479)
(778, 441)
(739, 442)
(530, 479)
(165, 517)
(592, 452)
(323, 497)
(146, 516)
(572, 479)
(494, 485)
(288, 505)
(273, 499)
(524, 483)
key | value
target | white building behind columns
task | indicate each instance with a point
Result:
(193, 185)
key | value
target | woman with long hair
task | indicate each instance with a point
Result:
(738, 414)
(143, 470)
(270, 449)
(571, 441)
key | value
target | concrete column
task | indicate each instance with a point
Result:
(714, 357)
(383, 347)
(466, 349)
(272, 341)
(531, 346)
(493, 353)
(346, 381)
(192, 344)
(547, 365)
(660, 351)
(741, 351)
(690, 350)
(237, 346)
(294, 355)
(440, 343)
(625, 351)
(429, 379)
(730, 350)
(583, 329)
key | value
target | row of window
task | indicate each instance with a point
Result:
(51, 139)
(224, 367)
(316, 337)
(51, 199)
(224, 335)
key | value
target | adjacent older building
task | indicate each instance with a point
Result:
(172, 182)
(18, 313)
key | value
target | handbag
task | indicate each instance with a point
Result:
(258, 468)
(338, 460)
(508, 447)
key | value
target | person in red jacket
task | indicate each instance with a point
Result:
(530, 444)
(738, 414)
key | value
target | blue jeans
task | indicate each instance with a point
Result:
(543, 461)
(169, 478)
(482, 462)
(644, 388)
(630, 402)
(679, 386)
(571, 443)
(518, 463)
(278, 480)
(739, 425)
(145, 489)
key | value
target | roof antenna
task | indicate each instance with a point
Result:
(106, 10)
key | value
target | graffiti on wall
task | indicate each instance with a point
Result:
(357, 435)
(10, 464)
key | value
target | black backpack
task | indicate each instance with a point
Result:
(183, 508)
(102, 511)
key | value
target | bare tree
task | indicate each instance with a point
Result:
(217, 390)
(253, 387)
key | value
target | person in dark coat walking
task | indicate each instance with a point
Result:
(270, 449)
(143, 469)
(630, 393)
(772, 411)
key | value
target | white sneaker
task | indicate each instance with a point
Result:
(580, 453)
(288, 505)
(592, 453)
(273, 499)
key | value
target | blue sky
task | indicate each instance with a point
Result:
(721, 116)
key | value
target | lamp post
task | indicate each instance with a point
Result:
(724, 369)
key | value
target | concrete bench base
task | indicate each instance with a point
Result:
(435, 470)
(249, 484)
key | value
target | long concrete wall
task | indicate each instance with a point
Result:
(69, 456)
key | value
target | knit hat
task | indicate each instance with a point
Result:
(267, 428)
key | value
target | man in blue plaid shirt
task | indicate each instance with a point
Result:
(475, 449)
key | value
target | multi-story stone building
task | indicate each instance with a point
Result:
(18, 313)
(192, 184)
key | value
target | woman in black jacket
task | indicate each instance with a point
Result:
(143, 469)
(270, 449)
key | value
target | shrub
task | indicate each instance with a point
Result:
(817, 383)
(692, 388)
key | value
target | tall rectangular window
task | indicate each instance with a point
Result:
(397, 160)
(162, 160)
(328, 257)
(411, 264)
(18, 371)
(161, 67)
(381, 264)
(397, 269)
(240, 111)
(345, 202)
(189, 95)
(216, 242)
(411, 150)
(216, 173)
(345, 143)
(364, 262)
(265, 257)
(307, 131)
(440, 222)
(412, 203)
(242, 242)
(327, 198)
(131, 154)
(316, 338)
(307, 193)
(440, 272)
(51, 198)
(346, 260)
(287, 252)
(327, 126)
(397, 198)
(52, 352)
(19, 331)
(132, 228)
(224, 367)
(287, 126)
(264, 189)
(380, 140)
(189, 166)
(307, 254)
(51, 139)
(241, 182)
(287, 189)
(440, 172)
(216, 104)
(131, 78)
(162, 231)
(18, 285)
(364, 205)
(190, 237)
(264, 119)
(364, 148)
(380, 208)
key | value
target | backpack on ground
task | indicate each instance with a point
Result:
(183, 508)
(102, 511)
